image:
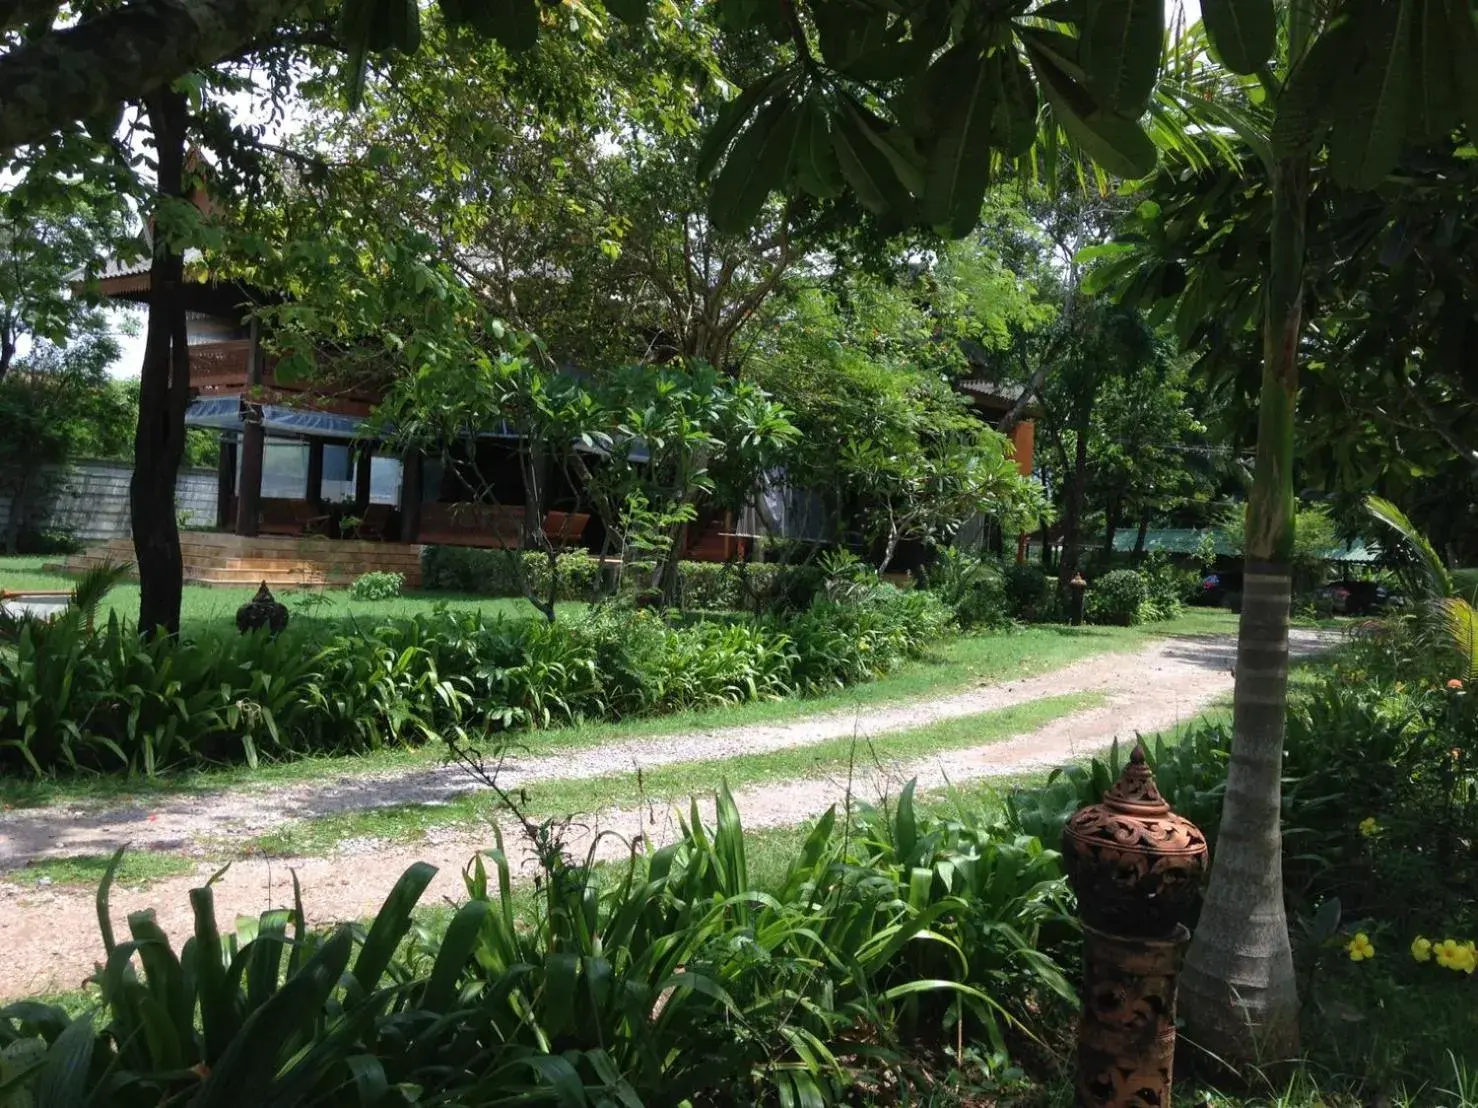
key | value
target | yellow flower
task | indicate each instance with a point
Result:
(1360, 947)
(1369, 827)
(1456, 956)
(1421, 949)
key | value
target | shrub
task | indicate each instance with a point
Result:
(1028, 592)
(1165, 588)
(377, 586)
(1116, 598)
(972, 587)
(72, 701)
(710, 586)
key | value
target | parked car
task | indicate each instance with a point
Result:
(1357, 598)
(1220, 589)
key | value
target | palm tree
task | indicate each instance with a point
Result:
(1444, 620)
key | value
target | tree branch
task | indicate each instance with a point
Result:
(89, 69)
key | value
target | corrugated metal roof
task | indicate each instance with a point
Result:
(1187, 540)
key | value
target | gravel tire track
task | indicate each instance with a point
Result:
(49, 935)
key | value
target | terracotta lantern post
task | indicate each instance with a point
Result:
(1137, 868)
(1077, 587)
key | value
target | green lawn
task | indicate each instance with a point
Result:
(204, 607)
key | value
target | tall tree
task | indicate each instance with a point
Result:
(910, 101)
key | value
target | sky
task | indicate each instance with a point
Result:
(132, 345)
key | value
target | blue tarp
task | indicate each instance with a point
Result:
(223, 413)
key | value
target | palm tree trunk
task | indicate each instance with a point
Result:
(1238, 993)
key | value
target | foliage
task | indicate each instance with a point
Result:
(1166, 587)
(1445, 620)
(895, 449)
(74, 701)
(1118, 597)
(1028, 592)
(973, 587)
(377, 586)
(1316, 537)
(676, 979)
(47, 401)
(705, 586)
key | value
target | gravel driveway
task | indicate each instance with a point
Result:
(49, 934)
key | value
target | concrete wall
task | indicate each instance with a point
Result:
(90, 501)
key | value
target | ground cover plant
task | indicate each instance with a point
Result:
(103, 700)
(675, 982)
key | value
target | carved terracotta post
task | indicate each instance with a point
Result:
(1137, 869)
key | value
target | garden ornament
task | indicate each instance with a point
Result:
(1078, 587)
(262, 610)
(1137, 869)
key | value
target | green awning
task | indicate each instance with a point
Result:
(1187, 540)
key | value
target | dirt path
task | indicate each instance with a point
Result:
(49, 935)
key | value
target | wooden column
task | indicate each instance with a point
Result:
(225, 483)
(410, 496)
(253, 447)
(315, 474)
(362, 455)
(253, 441)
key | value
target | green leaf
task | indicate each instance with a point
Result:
(62, 1080)
(628, 11)
(958, 169)
(815, 158)
(105, 886)
(869, 174)
(1433, 97)
(1015, 125)
(1464, 62)
(1115, 142)
(391, 924)
(513, 23)
(756, 165)
(1242, 32)
(457, 946)
(1305, 102)
(1367, 135)
(1120, 51)
(252, 1060)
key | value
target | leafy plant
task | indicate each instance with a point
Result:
(972, 587)
(1117, 598)
(377, 585)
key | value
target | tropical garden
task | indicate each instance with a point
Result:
(785, 828)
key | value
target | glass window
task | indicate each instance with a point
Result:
(338, 474)
(385, 476)
(284, 469)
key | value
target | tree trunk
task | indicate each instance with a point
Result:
(1238, 994)
(1072, 516)
(889, 549)
(7, 351)
(164, 389)
(1141, 535)
(1110, 527)
(17, 520)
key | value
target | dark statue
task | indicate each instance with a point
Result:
(262, 610)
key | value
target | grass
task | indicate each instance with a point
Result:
(139, 867)
(562, 798)
(958, 663)
(205, 607)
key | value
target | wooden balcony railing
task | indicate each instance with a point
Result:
(222, 369)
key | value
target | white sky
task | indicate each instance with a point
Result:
(132, 346)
